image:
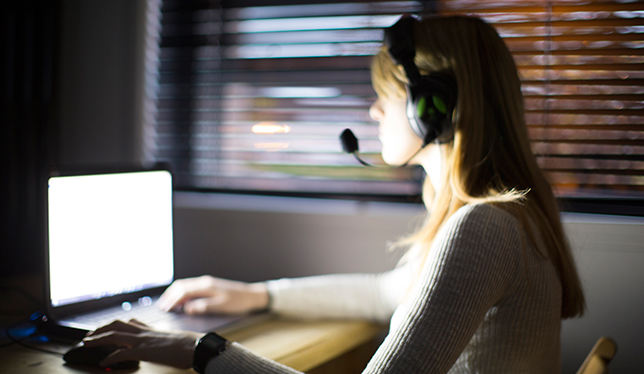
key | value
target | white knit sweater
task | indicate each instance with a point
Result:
(485, 302)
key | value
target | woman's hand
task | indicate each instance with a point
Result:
(141, 343)
(208, 294)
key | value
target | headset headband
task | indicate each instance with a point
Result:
(399, 40)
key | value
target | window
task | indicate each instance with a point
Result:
(583, 83)
(254, 98)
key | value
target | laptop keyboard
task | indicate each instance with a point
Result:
(145, 311)
(146, 314)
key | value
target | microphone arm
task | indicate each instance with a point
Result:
(350, 145)
(363, 162)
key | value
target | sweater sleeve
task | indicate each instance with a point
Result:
(471, 266)
(237, 359)
(365, 296)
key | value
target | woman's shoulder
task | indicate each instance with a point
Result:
(483, 228)
(481, 241)
(483, 214)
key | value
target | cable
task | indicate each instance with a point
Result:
(11, 325)
(20, 341)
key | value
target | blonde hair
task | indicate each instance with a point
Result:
(489, 159)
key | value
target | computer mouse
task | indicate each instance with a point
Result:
(82, 355)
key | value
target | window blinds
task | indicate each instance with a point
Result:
(254, 98)
(583, 83)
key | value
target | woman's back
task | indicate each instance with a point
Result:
(485, 302)
(521, 331)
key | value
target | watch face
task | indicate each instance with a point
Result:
(214, 342)
(211, 345)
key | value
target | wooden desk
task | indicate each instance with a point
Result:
(316, 347)
(313, 346)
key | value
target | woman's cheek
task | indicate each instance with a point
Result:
(393, 149)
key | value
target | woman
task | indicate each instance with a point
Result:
(491, 272)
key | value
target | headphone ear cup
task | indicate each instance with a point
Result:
(416, 107)
(426, 116)
(431, 103)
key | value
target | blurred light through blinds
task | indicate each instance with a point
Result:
(258, 102)
(254, 98)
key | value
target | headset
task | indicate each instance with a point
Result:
(431, 99)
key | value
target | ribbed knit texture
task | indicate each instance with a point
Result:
(485, 302)
(367, 296)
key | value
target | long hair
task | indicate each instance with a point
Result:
(489, 159)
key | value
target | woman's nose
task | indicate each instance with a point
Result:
(375, 111)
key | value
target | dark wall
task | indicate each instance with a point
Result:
(29, 127)
(98, 82)
(69, 98)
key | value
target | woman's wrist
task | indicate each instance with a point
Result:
(188, 341)
(260, 296)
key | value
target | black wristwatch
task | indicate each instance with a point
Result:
(209, 346)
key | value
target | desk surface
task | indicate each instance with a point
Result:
(302, 345)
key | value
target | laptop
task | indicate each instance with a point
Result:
(110, 253)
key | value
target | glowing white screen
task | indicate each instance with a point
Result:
(109, 234)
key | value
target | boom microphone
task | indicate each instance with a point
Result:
(350, 145)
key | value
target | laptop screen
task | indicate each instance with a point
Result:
(109, 234)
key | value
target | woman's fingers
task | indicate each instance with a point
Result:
(116, 325)
(138, 323)
(179, 299)
(115, 338)
(137, 342)
(184, 290)
(214, 304)
(214, 295)
(118, 333)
